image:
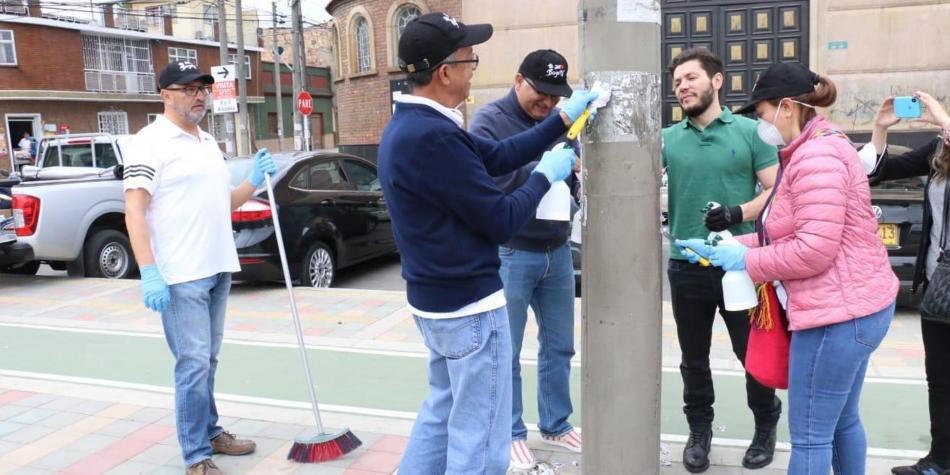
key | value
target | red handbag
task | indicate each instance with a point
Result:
(766, 357)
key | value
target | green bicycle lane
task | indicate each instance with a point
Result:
(895, 415)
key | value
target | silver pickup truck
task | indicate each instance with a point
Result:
(70, 207)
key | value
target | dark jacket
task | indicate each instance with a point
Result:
(906, 165)
(499, 120)
(448, 214)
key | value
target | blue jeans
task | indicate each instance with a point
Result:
(462, 427)
(194, 328)
(545, 281)
(826, 373)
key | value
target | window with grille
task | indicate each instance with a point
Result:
(7, 48)
(232, 59)
(363, 57)
(405, 14)
(153, 15)
(183, 54)
(117, 65)
(114, 122)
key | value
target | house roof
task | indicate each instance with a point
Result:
(118, 32)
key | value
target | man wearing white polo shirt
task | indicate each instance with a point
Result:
(178, 203)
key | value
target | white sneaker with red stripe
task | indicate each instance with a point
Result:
(521, 456)
(570, 440)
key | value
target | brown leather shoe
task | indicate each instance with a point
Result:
(227, 444)
(204, 467)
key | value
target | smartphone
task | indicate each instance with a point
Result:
(907, 107)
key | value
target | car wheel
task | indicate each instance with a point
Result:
(108, 254)
(26, 268)
(319, 267)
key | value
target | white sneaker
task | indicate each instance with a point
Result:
(570, 440)
(521, 456)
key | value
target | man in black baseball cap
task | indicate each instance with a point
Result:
(536, 265)
(449, 217)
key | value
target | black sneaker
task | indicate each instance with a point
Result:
(696, 452)
(761, 450)
(924, 466)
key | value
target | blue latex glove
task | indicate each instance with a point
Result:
(698, 246)
(155, 292)
(263, 163)
(556, 165)
(729, 257)
(575, 106)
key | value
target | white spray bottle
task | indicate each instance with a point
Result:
(738, 290)
(555, 205)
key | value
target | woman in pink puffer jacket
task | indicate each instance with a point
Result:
(828, 263)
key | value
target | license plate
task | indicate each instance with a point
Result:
(889, 234)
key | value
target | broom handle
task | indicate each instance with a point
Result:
(293, 303)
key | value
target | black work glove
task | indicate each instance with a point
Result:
(723, 217)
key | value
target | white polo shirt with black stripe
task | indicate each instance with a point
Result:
(189, 216)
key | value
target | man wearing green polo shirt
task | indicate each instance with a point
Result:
(713, 155)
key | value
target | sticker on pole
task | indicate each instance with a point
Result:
(304, 103)
(638, 11)
(224, 90)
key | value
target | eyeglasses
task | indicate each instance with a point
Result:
(474, 61)
(540, 93)
(191, 90)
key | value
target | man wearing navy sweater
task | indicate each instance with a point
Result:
(449, 217)
(536, 264)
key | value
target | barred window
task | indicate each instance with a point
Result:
(114, 122)
(405, 14)
(117, 65)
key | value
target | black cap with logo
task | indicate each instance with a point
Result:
(781, 80)
(547, 71)
(430, 38)
(182, 72)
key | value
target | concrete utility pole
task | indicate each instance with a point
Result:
(622, 312)
(244, 132)
(277, 92)
(223, 54)
(301, 123)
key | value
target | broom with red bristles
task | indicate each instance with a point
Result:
(324, 446)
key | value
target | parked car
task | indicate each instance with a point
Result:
(332, 215)
(70, 207)
(15, 257)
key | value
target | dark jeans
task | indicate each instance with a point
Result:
(697, 294)
(937, 363)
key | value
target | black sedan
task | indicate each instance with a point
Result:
(332, 215)
(900, 214)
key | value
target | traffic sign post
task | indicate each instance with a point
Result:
(223, 91)
(305, 107)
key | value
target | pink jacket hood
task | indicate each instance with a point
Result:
(824, 245)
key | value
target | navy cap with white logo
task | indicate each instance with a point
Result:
(182, 72)
(547, 70)
(430, 38)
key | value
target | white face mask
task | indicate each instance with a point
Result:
(769, 133)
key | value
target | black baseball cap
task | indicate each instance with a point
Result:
(547, 70)
(781, 80)
(430, 38)
(182, 72)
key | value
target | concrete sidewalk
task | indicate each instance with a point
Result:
(86, 384)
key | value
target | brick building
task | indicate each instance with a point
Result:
(57, 76)
(367, 34)
(318, 44)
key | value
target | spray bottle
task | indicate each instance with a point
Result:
(738, 290)
(555, 205)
